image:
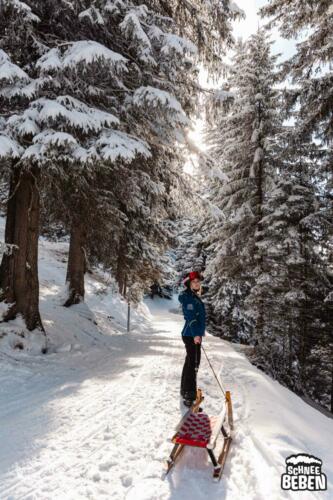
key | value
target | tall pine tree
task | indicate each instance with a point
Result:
(244, 144)
(311, 100)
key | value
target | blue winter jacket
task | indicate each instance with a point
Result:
(194, 313)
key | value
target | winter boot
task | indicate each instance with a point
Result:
(188, 402)
(189, 398)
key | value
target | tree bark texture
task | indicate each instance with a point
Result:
(19, 270)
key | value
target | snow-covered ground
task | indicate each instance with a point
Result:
(92, 419)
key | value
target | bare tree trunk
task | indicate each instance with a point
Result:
(7, 264)
(19, 271)
(76, 267)
(332, 382)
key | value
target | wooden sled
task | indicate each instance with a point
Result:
(199, 430)
(178, 448)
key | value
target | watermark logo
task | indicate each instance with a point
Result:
(303, 473)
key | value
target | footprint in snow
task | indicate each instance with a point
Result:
(105, 466)
(126, 480)
(96, 476)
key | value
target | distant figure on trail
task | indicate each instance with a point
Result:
(155, 289)
(192, 333)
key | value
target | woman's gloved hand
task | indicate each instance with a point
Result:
(197, 339)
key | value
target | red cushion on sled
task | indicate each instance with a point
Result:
(196, 430)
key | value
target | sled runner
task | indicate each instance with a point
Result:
(200, 430)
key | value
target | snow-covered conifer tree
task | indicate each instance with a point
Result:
(243, 144)
(311, 74)
(309, 100)
(106, 83)
(293, 285)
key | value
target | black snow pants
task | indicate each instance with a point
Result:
(193, 355)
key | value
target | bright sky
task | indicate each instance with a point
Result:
(249, 25)
(242, 29)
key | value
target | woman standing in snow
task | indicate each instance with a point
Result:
(192, 333)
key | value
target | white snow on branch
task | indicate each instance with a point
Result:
(66, 114)
(214, 210)
(50, 61)
(155, 33)
(221, 95)
(294, 296)
(175, 43)
(9, 148)
(114, 6)
(295, 197)
(115, 145)
(22, 8)
(90, 52)
(132, 30)
(255, 135)
(2, 248)
(258, 155)
(53, 138)
(27, 127)
(10, 72)
(75, 114)
(171, 42)
(85, 155)
(20, 89)
(162, 101)
(50, 146)
(93, 14)
(110, 149)
(101, 118)
(86, 52)
(236, 10)
(215, 172)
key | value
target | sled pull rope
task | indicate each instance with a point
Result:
(197, 347)
(220, 385)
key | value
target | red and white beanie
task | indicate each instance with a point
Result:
(192, 276)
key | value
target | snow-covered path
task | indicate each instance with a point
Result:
(94, 423)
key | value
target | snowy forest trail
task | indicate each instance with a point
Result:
(95, 423)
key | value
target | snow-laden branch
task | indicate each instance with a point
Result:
(114, 145)
(84, 52)
(22, 9)
(155, 99)
(10, 148)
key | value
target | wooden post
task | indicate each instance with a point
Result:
(127, 296)
(229, 406)
(128, 315)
